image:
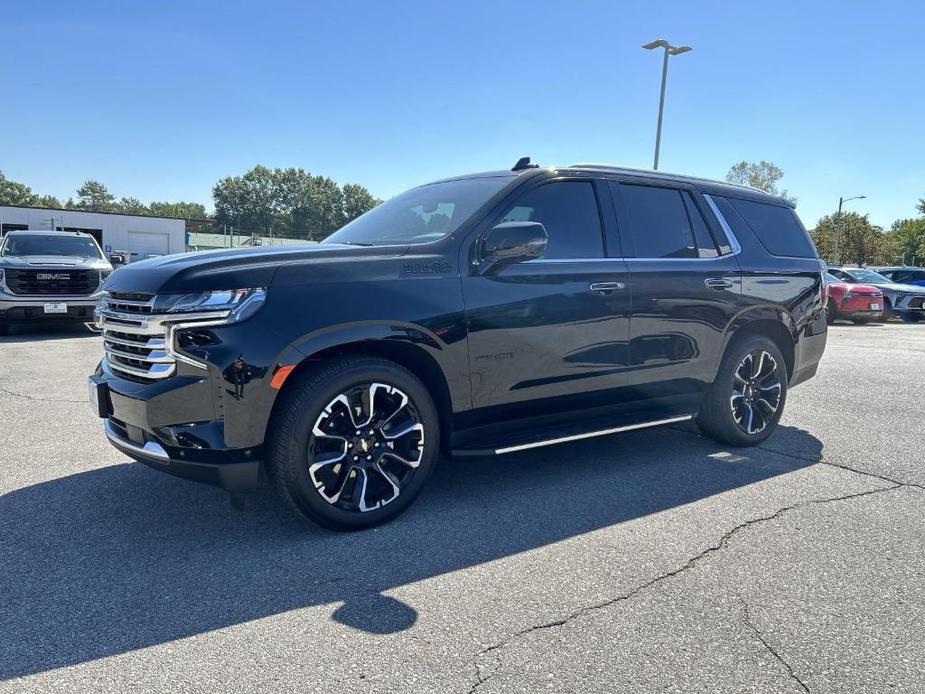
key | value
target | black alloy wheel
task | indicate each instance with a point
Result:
(352, 441)
(366, 445)
(756, 392)
(745, 402)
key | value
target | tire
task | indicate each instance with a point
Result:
(4, 329)
(831, 314)
(861, 321)
(724, 411)
(910, 317)
(346, 481)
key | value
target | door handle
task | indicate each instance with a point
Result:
(718, 283)
(606, 286)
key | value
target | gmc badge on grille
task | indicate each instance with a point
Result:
(52, 276)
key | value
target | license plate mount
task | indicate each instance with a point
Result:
(57, 307)
(98, 395)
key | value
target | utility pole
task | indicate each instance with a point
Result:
(837, 227)
(669, 51)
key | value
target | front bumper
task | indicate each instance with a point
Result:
(28, 309)
(195, 424)
(235, 477)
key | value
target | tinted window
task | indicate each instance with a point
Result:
(422, 214)
(777, 227)
(568, 211)
(35, 244)
(664, 223)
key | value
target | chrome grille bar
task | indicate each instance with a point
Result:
(138, 343)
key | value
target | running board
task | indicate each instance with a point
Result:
(510, 446)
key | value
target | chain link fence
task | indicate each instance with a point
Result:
(205, 235)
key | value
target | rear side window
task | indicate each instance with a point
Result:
(568, 211)
(777, 227)
(665, 223)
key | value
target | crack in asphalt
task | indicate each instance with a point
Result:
(6, 391)
(480, 679)
(689, 564)
(769, 647)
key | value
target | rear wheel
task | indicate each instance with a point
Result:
(353, 443)
(830, 313)
(747, 398)
(910, 317)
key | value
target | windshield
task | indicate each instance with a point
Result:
(48, 244)
(422, 214)
(832, 279)
(869, 276)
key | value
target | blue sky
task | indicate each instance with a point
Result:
(159, 100)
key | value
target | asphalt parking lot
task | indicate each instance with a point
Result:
(650, 561)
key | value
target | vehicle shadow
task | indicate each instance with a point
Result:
(122, 557)
(27, 332)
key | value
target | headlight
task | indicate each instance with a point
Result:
(239, 303)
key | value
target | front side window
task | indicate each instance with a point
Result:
(665, 223)
(49, 244)
(569, 213)
(420, 215)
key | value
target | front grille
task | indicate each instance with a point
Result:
(133, 338)
(60, 282)
(136, 336)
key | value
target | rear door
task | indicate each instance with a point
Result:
(686, 283)
(558, 325)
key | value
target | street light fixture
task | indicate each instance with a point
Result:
(841, 201)
(669, 51)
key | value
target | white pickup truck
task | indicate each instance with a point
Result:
(49, 275)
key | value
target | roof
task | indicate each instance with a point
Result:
(731, 188)
(79, 211)
(44, 232)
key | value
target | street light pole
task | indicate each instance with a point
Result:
(669, 51)
(837, 230)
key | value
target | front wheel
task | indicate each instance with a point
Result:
(830, 313)
(747, 398)
(910, 317)
(353, 442)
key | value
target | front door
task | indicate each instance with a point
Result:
(557, 325)
(687, 284)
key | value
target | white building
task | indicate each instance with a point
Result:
(136, 236)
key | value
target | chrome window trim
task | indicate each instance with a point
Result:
(733, 241)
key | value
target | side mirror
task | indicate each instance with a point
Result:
(116, 259)
(512, 242)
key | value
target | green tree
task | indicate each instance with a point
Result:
(920, 205)
(46, 201)
(131, 206)
(290, 200)
(762, 175)
(185, 210)
(908, 241)
(357, 201)
(859, 242)
(95, 197)
(15, 193)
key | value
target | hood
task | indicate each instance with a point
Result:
(238, 268)
(57, 261)
(857, 288)
(903, 288)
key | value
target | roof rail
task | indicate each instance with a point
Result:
(630, 169)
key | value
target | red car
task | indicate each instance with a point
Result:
(859, 303)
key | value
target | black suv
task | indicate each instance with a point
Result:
(478, 315)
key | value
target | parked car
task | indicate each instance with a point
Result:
(859, 303)
(903, 275)
(905, 301)
(49, 275)
(479, 315)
